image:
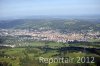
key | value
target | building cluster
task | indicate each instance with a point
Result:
(50, 35)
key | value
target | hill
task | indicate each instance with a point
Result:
(54, 24)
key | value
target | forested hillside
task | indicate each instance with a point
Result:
(62, 24)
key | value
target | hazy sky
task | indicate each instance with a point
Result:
(18, 8)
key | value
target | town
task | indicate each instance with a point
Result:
(50, 35)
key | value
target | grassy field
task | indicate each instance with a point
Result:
(29, 55)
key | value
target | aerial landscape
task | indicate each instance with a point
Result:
(49, 33)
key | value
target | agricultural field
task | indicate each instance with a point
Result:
(29, 55)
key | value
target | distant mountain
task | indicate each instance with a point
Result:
(52, 23)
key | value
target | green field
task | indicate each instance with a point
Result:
(29, 55)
